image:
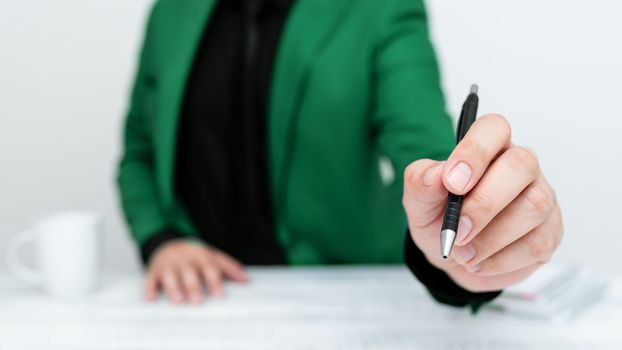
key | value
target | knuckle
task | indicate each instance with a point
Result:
(490, 244)
(523, 158)
(192, 251)
(544, 253)
(492, 266)
(405, 201)
(409, 173)
(539, 201)
(548, 246)
(203, 262)
(550, 243)
(206, 264)
(414, 189)
(481, 205)
(537, 247)
(500, 123)
(541, 263)
(544, 259)
(471, 149)
(206, 256)
(414, 171)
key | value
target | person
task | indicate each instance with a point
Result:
(256, 133)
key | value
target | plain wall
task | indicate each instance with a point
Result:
(553, 68)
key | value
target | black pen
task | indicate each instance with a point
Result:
(454, 202)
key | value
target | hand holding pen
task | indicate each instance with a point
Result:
(508, 222)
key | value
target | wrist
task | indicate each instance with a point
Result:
(442, 282)
(158, 240)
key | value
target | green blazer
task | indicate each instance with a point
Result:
(354, 82)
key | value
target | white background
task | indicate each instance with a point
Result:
(554, 68)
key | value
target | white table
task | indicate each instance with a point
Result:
(289, 308)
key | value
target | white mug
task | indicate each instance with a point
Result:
(67, 250)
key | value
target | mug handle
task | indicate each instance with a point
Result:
(15, 265)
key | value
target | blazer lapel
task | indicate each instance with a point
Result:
(308, 29)
(192, 17)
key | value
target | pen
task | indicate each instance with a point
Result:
(454, 202)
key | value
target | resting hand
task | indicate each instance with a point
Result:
(182, 269)
(510, 222)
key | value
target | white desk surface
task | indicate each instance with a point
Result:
(289, 308)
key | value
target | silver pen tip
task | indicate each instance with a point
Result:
(474, 89)
(447, 242)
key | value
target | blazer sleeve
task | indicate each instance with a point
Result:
(409, 116)
(140, 202)
(411, 123)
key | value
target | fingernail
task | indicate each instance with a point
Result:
(460, 175)
(465, 225)
(464, 254)
(430, 175)
(196, 299)
(473, 268)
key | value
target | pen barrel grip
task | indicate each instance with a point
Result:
(452, 212)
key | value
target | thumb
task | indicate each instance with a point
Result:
(424, 193)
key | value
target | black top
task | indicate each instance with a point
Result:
(221, 174)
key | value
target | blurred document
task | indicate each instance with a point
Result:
(555, 292)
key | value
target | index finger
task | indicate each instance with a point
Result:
(486, 139)
(230, 267)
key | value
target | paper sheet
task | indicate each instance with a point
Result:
(555, 292)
